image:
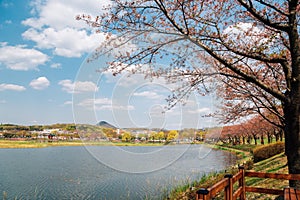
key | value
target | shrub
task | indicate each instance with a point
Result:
(248, 165)
(267, 151)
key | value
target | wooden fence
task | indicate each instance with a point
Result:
(230, 193)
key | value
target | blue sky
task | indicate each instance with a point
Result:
(44, 78)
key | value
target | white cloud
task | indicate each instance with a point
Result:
(92, 102)
(200, 110)
(55, 65)
(67, 42)
(13, 87)
(60, 14)
(148, 94)
(78, 86)
(21, 58)
(103, 104)
(248, 34)
(40, 83)
(55, 26)
(115, 107)
(67, 85)
(2, 101)
(68, 103)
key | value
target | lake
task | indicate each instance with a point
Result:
(104, 172)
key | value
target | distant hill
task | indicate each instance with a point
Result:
(106, 125)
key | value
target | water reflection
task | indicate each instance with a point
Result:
(73, 173)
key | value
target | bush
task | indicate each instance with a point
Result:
(248, 165)
(267, 151)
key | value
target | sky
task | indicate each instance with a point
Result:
(45, 77)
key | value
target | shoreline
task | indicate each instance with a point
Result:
(186, 191)
(274, 164)
(242, 155)
(24, 144)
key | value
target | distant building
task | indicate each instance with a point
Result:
(51, 131)
(46, 132)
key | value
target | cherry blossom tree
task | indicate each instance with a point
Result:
(230, 134)
(252, 44)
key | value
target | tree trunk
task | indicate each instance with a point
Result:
(249, 140)
(291, 106)
(262, 141)
(269, 138)
(292, 133)
(255, 139)
(277, 137)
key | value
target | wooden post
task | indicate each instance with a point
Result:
(229, 188)
(202, 194)
(242, 183)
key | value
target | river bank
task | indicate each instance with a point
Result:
(44, 144)
(275, 164)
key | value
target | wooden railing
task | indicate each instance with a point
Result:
(229, 180)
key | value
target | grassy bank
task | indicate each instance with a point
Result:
(243, 152)
(44, 144)
(275, 164)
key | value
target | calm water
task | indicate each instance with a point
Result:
(103, 172)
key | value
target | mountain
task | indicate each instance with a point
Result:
(106, 125)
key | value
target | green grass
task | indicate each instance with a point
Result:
(275, 164)
(242, 147)
(21, 144)
(43, 144)
(187, 190)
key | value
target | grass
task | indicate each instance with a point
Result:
(275, 164)
(21, 144)
(187, 191)
(243, 154)
(44, 144)
(241, 147)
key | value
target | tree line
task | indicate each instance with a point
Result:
(94, 132)
(255, 130)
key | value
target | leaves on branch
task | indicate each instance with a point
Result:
(240, 49)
